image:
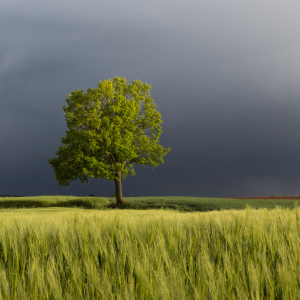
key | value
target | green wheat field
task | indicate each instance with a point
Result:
(85, 250)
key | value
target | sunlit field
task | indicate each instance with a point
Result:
(53, 201)
(64, 253)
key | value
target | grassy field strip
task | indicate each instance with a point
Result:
(53, 201)
(42, 214)
(203, 203)
(125, 254)
(188, 204)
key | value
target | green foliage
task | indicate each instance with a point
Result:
(80, 254)
(109, 129)
(87, 202)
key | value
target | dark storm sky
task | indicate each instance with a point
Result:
(225, 76)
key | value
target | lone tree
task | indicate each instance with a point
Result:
(110, 128)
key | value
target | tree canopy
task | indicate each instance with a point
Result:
(109, 129)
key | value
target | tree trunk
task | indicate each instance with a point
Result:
(119, 197)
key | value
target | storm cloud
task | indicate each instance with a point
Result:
(225, 76)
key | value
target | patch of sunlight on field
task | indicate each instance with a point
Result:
(60, 216)
(45, 214)
(129, 215)
(40, 198)
(38, 212)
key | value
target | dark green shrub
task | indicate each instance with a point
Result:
(87, 202)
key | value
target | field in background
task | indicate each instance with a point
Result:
(203, 203)
(188, 204)
(53, 201)
(63, 253)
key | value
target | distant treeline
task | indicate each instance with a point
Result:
(5, 195)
